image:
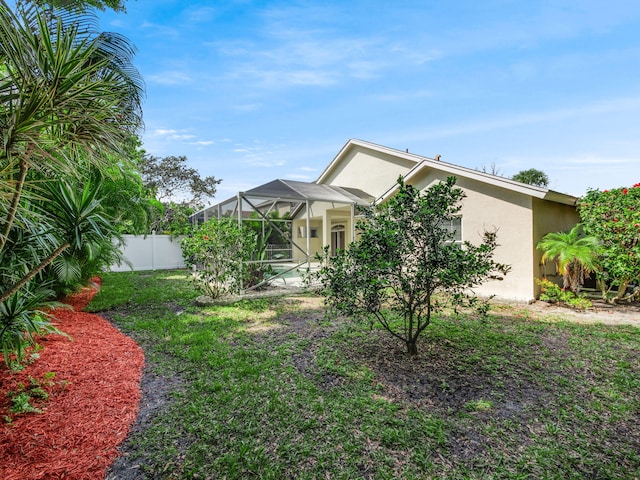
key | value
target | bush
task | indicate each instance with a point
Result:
(552, 293)
(217, 252)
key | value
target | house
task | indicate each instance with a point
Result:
(325, 212)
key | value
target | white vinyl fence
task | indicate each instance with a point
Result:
(151, 252)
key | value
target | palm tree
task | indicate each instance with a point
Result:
(575, 255)
(67, 97)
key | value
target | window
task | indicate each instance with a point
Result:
(302, 232)
(455, 226)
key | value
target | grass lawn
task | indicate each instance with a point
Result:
(271, 388)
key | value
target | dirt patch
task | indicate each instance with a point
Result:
(156, 391)
(601, 312)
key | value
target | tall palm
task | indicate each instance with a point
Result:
(575, 255)
(67, 96)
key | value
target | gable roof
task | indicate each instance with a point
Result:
(421, 163)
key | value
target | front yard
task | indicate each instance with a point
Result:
(271, 388)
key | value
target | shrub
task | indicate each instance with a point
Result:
(552, 293)
(614, 217)
(217, 252)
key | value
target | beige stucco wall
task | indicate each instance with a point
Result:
(550, 217)
(520, 219)
(323, 215)
(315, 244)
(370, 171)
(487, 207)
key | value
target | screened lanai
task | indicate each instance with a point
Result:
(295, 220)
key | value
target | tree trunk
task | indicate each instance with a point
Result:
(15, 201)
(41, 266)
(412, 348)
(622, 290)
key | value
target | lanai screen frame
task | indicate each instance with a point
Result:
(266, 198)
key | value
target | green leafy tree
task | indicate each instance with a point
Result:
(126, 200)
(574, 254)
(66, 98)
(217, 250)
(178, 189)
(404, 257)
(614, 217)
(69, 99)
(532, 176)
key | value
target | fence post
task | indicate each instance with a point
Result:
(153, 250)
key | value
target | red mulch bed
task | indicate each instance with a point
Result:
(93, 400)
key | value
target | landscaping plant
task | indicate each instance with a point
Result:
(575, 255)
(404, 260)
(217, 251)
(70, 99)
(613, 216)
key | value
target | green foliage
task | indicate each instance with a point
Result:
(70, 99)
(125, 199)
(404, 256)
(21, 403)
(273, 231)
(179, 189)
(78, 218)
(266, 388)
(575, 255)
(532, 176)
(552, 293)
(217, 251)
(614, 217)
(171, 218)
(35, 391)
(80, 5)
(21, 318)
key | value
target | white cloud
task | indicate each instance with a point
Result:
(282, 56)
(169, 134)
(485, 124)
(403, 96)
(170, 77)
(250, 107)
(202, 14)
(297, 176)
(156, 30)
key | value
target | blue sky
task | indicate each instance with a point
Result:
(251, 91)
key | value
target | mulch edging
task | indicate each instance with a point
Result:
(93, 402)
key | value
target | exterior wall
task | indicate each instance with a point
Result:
(370, 171)
(315, 244)
(549, 217)
(151, 252)
(323, 215)
(520, 219)
(488, 207)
